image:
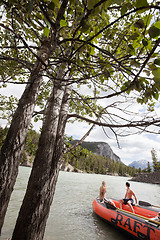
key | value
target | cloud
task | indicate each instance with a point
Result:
(13, 89)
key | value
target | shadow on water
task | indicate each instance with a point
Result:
(106, 231)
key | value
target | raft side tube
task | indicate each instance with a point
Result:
(135, 225)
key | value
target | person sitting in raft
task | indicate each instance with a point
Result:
(128, 197)
(103, 190)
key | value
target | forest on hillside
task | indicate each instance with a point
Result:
(80, 158)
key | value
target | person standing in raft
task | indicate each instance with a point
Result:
(103, 190)
(128, 197)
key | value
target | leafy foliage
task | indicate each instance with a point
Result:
(109, 46)
(31, 142)
(7, 107)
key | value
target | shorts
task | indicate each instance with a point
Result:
(125, 200)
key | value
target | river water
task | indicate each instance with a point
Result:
(71, 215)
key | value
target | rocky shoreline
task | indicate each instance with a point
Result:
(153, 177)
(63, 166)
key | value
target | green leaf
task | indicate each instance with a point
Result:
(145, 42)
(134, 36)
(29, 6)
(107, 4)
(51, 5)
(46, 31)
(157, 24)
(85, 26)
(118, 2)
(135, 63)
(63, 23)
(152, 67)
(156, 74)
(131, 49)
(147, 72)
(156, 95)
(91, 3)
(56, 2)
(139, 24)
(157, 61)
(71, 1)
(124, 9)
(147, 20)
(92, 50)
(70, 10)
(154, 32)
(141, 3)
(106, 74)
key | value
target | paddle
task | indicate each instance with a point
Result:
(110, 206)
(147, 204)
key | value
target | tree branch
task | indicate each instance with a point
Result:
(128, 125)
(24, 63)
(60, 14)
(80, 141)
(145, 62)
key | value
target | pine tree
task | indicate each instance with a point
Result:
(149, 168)
(156, 165)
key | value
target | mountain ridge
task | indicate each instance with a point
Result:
(99, 148)
(140, 164)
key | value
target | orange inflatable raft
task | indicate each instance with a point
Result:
(142, 224)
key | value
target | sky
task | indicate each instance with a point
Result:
(132, 148)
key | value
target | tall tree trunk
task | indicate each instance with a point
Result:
(34, 211)
(12, 149)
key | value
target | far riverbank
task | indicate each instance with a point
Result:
(153, 177)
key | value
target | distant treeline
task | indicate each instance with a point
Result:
(30, 146)
(89, 162)
(79, 158)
